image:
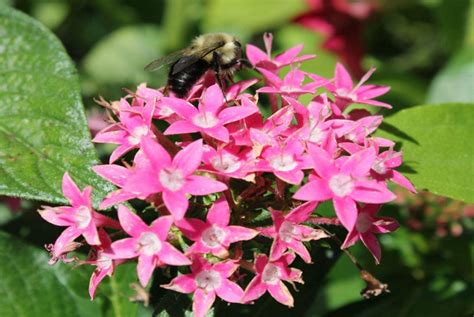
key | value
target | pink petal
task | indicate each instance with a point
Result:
(272, 79)
(229, 291)
(189, 159)
(237, 233)
(342, 78)
(91, 235)
(182, 108)
(124, 249)
(384, 225)
(370, 241)
(401, 180)
(202, 302)
(351, 238)
(182, 283)
(219, 213)
(120, 151)
(200, 185)
(371, 91)
(143, 182)
(181, 127)
(171, 256)
(131, 223)
(96, 277)
(293, 177)
(302, 212)
(254, 54)
(161, 226)
(58, 216)
(192, 228)
(233, 114)
(301, 250)
(116, 136)
(315, 190)
(103, 221)
(212, 100)
(261, 261)
(289, 55)
(281, 293)
(71, 191)
(226, 268)
(115, 174)
(116, 197)
(277, 249)
(346, 211)
(176, 202)
(254, 290)
(360, 163)
(372, 192)
(323, 164)
(66, 237)
(155, 153)
(218, 132)
(146, 266)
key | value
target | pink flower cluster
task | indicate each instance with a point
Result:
(216, 163)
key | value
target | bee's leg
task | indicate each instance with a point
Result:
(245, 63)
(217, 72)
(166, 91)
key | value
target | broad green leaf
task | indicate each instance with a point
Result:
(43, 130)
(245, 17)
(437, 146)
(120, 57)
(29, 286)
(454, 83)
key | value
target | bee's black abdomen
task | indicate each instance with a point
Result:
(181, 82)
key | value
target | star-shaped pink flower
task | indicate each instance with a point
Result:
(135, 123)
(208, 118)
(155, 172)
(207, 281)
(215, 235)
(148, 243)
(288, 233)
(291, 85)
(365, 228)
(80, 218)
(345, 181)
(270, 276)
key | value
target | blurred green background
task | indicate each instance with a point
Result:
(423, 49)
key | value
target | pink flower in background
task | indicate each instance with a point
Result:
(287, 233)
(270, 276)
(80, 218)
(215, 235)
(207, 281)
(208, 118)
(344, 182)
(135, 123)
(155, 172)
(365, 228)
(148, 243)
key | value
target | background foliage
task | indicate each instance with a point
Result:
(424, 49)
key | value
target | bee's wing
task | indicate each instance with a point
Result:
(190, 59)
(165, 60)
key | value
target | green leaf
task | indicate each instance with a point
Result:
(245, 17)
(43, 129)
(454, 82)
(31, 287)
(437, 146)
(120, 57)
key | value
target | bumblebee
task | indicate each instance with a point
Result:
(220, 52)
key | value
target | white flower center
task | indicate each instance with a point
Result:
(205, 120)
(225, 163)
(315, 134)
(148, 243)
(137, 134)
(104, 262)
(283, 162)
(172, 179)
(165, 111)
(271, 274)
(83, 217)
(213, 237)
(287, 231)
(342, 92)
(341, 185)
(379, 166)
(208, 280)
(364, 222)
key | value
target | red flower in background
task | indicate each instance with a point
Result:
(342, 22)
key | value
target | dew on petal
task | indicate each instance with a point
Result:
(213, 236)
(271, 274)
(83, 217)
(208, 280)
(341, 185)
(149, 244)
(172, 179)
(283, 162)
(205, 120)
